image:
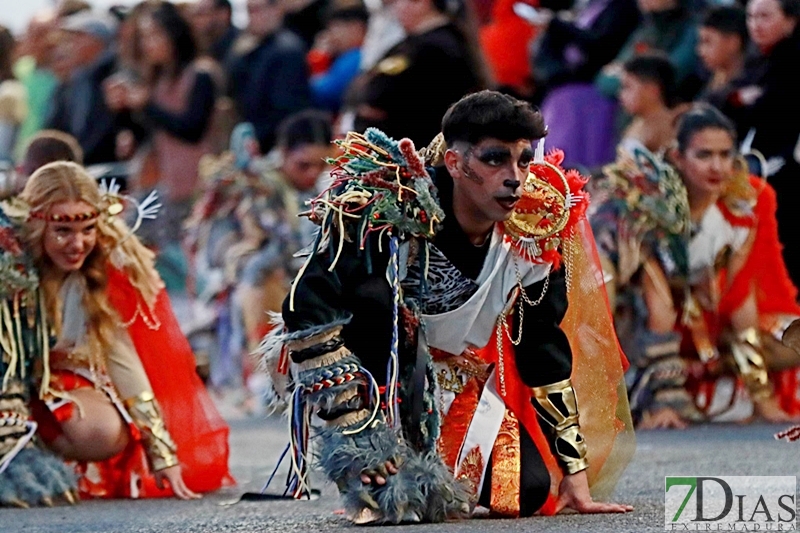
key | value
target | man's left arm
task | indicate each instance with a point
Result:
(544, 360)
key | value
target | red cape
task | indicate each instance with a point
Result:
(764, 269)
(191, 418)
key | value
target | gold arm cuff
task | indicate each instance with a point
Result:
(571, 449)
(159, 446)
(751, 364)
(556, 416)
(557, 405)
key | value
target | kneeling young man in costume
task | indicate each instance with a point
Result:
(410, 313)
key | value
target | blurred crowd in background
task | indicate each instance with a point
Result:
(232, 124)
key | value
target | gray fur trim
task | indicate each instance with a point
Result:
(423, 489)
(34, 475)
(277, 389)
(445, 497)
(279, 386)
(326, 398)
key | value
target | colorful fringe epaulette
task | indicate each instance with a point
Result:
(379, 185)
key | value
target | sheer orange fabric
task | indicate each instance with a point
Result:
(598, 365)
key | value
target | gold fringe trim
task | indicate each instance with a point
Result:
(325, 360)
(506, 469)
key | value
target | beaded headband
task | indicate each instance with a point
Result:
(80, 217)
(110, 192)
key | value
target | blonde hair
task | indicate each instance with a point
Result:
(63, 181)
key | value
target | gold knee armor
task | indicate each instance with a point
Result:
(159, 446)
(557, 405)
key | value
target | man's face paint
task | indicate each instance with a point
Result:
(469, 172)
(494, 172)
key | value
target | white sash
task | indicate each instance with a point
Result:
(483, 428)
(472, 324)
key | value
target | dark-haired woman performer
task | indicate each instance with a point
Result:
(698, 277)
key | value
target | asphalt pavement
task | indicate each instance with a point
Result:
(256, 444)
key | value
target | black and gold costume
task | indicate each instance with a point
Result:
(339, 329)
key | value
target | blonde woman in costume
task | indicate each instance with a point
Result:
(116, 354)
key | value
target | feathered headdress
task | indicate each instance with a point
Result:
(379, 184)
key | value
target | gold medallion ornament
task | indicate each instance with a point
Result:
(551, 205)
(541, 215)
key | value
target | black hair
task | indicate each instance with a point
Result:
(790, 8)
(730, 20)
(347, 10)
(170, 20)
(223, 4)
(7, 43)
(454, 8)
(306, 127)
(48, 146)
(492, 114)
(657, 68)
(701, 117)
(461, 14)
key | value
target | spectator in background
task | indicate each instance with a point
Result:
(575, 46)
(668, 26)
(13, 100)
(648, 95)
(721, 48)
(44, 147)
(341, 41)
(565, 63)
(413, 85)
(764, 101)
(306, 18)
(383, 32)
(176, 103)
(268, 74)
(47, 146)
(129, 53)
(32, 70)
(78, 106)
(213, 28)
